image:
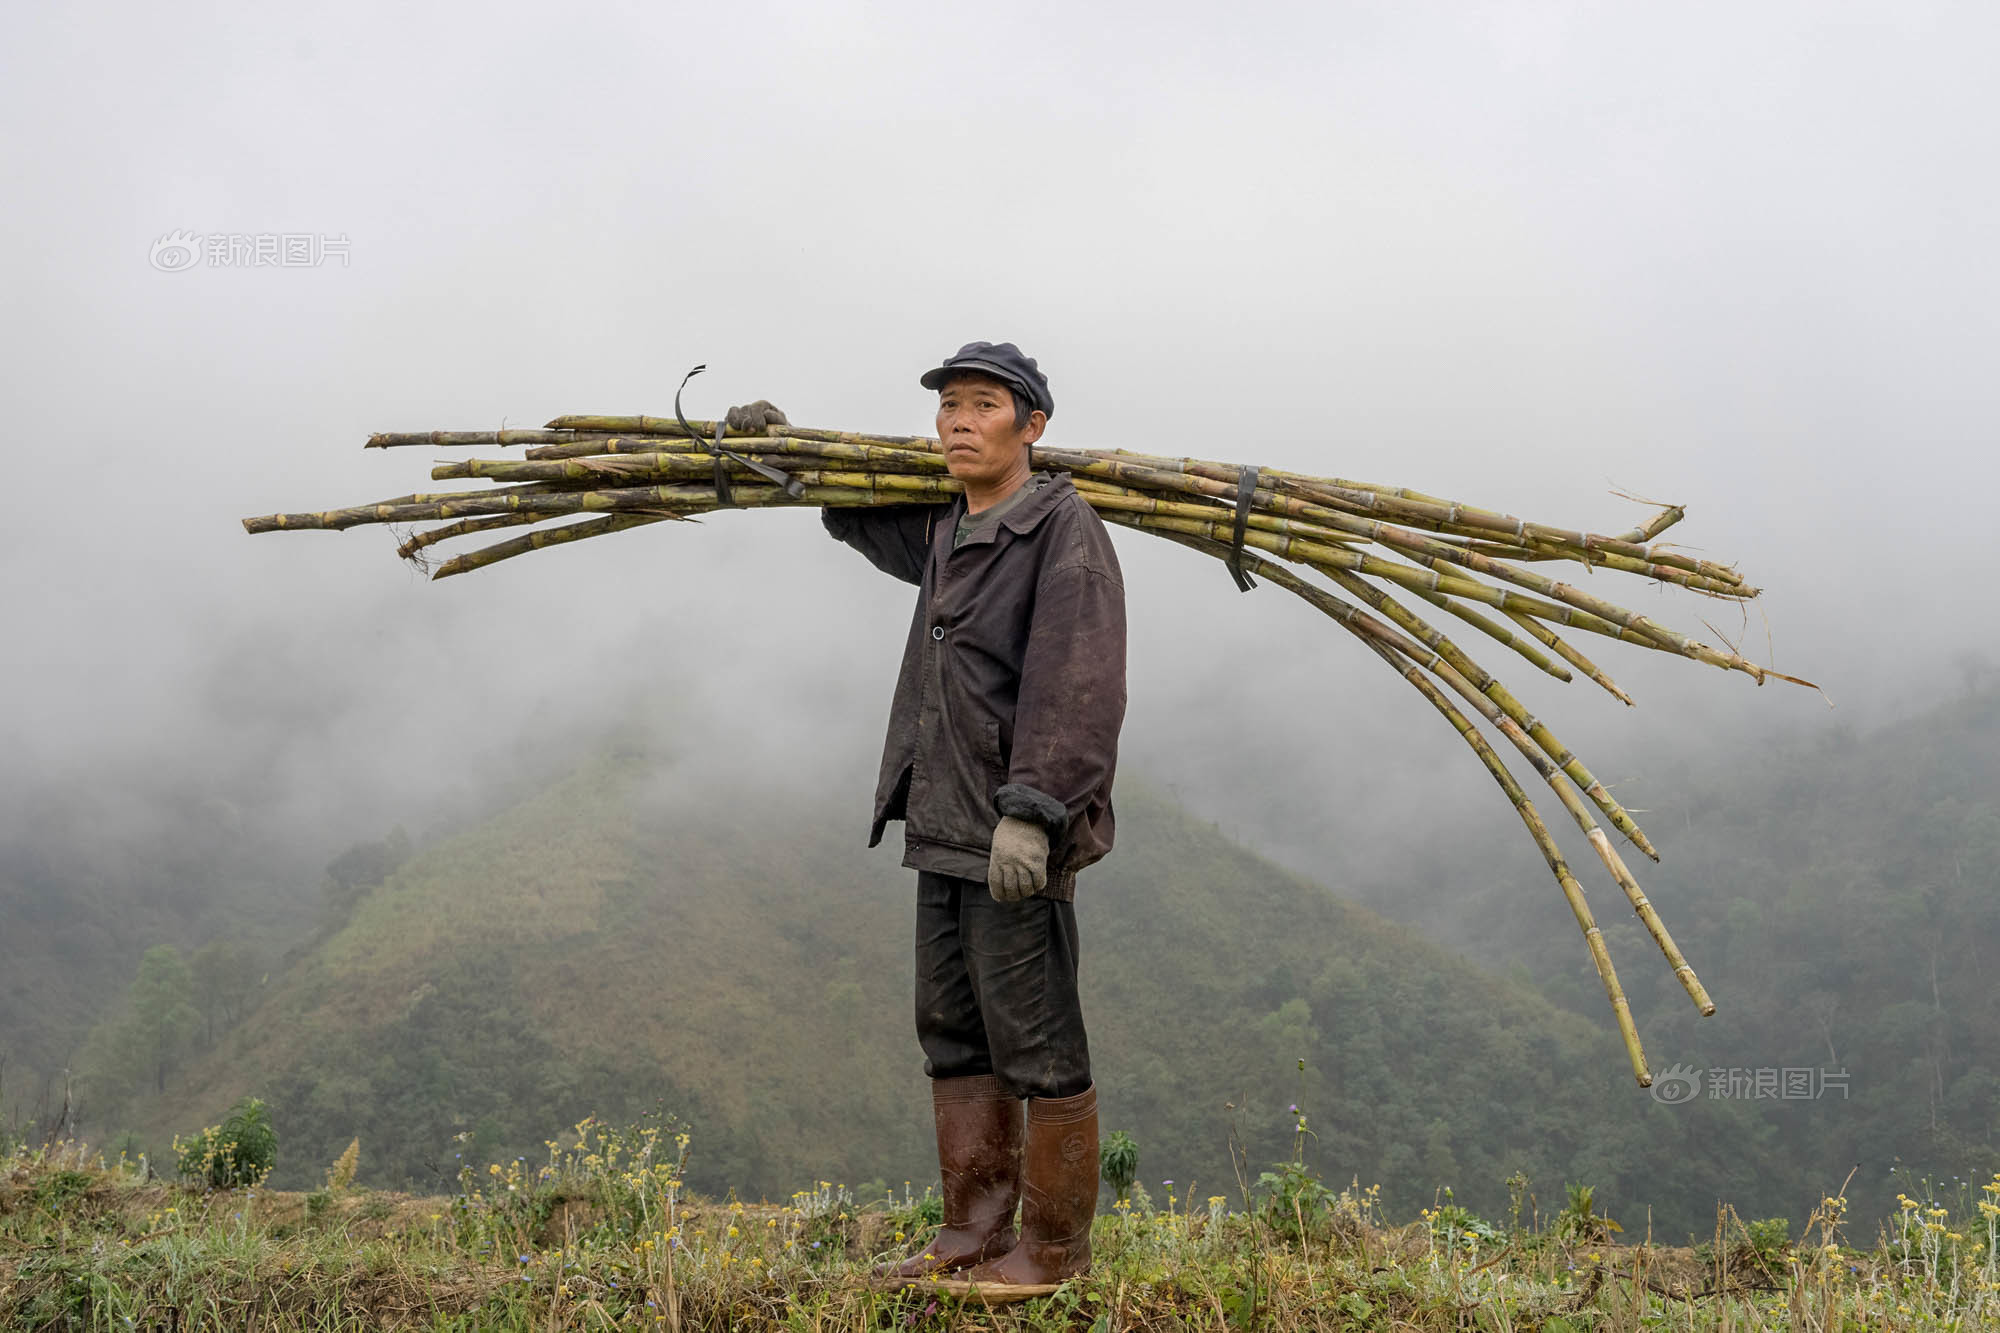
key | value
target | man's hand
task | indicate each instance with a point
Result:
(1019, 867)
(756, 418)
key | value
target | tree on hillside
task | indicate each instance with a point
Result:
(147, 1038)
(224, 975)
(163, 1017)
(360, 868)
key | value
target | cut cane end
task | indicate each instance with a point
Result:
(1696, 991)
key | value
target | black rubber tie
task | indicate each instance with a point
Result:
(723, 495)
(1246, 488)
(791, 485)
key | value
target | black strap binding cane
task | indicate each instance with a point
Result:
(1246, 487)
(791, 485)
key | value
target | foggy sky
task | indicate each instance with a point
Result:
(1737, 257)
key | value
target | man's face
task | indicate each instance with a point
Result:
(975, 426)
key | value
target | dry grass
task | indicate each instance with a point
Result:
(603, 1238)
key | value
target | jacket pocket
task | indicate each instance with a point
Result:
(989, 751)
(955, 805)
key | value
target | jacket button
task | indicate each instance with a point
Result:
(937, 631)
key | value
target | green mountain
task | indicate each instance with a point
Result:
(628, 937)
(91, 877)
(1839, 894)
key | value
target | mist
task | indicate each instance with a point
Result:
(1539, 258)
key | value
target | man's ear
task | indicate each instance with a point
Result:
(1038, 421)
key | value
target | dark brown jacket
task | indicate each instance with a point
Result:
(1012, 688)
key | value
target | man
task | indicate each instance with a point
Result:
(1002, 742)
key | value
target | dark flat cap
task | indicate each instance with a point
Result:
(1004, 362)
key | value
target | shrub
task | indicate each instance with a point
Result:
(1579, 1222)
(915, 1213)
(1295, 1203)
(1456, 1227)
(1118, 1163)
(238, 1152)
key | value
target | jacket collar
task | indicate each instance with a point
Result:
(1026, 514)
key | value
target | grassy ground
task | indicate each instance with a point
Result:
(603, 1235)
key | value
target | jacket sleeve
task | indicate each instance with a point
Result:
(1072, 695)
(895, 538)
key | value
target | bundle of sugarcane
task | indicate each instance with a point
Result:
(1374, 543)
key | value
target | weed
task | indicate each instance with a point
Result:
(237, 1153)
(1456, 1227)
(1579, 1223)
(913, 1215)
(1118, 1163)
(605, 1237)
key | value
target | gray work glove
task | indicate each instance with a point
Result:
(1019, 867)
(756, 418)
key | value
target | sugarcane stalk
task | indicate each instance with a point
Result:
(1569, 654)
(1503, 699)
(1487, 684)
(633, 442)
(1581, 545)
(1554, 542)
(1621, 624)
(685, 458)
(1430, 508)
(667, 426)
(1560, 784)
(1362, 625)
(1417, 546)
(1386, 644)
(1572, 891)
(695, 465)
(1321, 555)
(1420, 548)
(1573, 544)
(406, 508)
(1491, 688)
(1651, 635)
(420, 540)
(838, 488)
(1499, 634)
(446, 439)
(1596, 557)
(545, 537)
(1657, 524)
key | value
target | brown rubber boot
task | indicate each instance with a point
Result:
(1058, 1200)
(979, 1161)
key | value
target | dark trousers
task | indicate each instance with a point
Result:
(996, 989)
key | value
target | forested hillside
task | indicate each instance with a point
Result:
(1840, 896)
(629, 938)
(90, 879)
(626, 937)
